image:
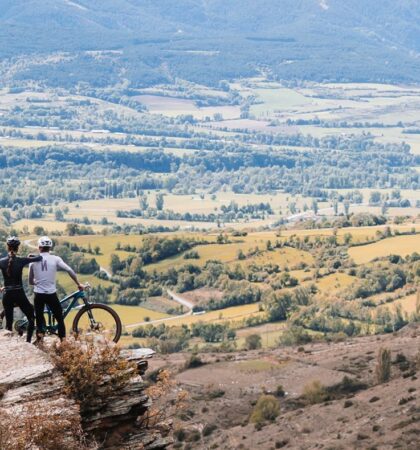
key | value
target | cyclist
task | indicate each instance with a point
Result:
(14, 294)
(42, 275)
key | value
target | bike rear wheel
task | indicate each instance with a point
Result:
(20, 326)
(98, 320)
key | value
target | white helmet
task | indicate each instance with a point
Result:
(45, 241)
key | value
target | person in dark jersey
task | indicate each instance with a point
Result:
(13, 292)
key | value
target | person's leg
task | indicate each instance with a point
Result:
(39, 303)
(54, 304)
(8, 306)
(27, 309)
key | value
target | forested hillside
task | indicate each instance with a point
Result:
(148, 42)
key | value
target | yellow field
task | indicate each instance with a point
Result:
(286, 256)
(334, 282)
(222, 252)
(399, 245)
(359, 234)
(408, 304)
(233, 314)
(129, 315)
(269, 333)
(301, 274)
(49, 224)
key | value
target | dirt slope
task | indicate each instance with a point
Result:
(224, 391)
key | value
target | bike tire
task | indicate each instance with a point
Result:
(115, 316)
(20, 326)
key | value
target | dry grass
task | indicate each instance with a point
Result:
(39, 426)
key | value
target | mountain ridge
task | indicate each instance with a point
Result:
(333, 40)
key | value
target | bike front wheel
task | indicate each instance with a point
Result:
(98, 320)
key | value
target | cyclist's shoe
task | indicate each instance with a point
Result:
(39, 341)
(39, 337)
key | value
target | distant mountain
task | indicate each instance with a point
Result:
(210, 40)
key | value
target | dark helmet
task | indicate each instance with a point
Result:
(13, 241)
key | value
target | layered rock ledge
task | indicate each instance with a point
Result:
(28, 378)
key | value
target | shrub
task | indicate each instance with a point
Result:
(400, 358)
(91, 370)
(280, 391)
(167, 346)
(294, 335)
(193, 436)
(383, 366)
(253, 342)
(217, 393)
(193, 361)
(192, 254)
(266, 409)
(314, 392)
(179, 434)
(208, 429)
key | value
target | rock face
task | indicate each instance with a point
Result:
(27, 377)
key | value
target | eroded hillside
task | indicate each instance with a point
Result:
(347, 409)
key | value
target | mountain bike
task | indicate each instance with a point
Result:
(92, 319)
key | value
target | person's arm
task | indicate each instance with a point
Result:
(31, 259)
(72, 274)
(31, 276)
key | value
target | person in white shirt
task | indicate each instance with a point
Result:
(42, 275)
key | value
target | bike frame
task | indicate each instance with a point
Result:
(74, 297)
